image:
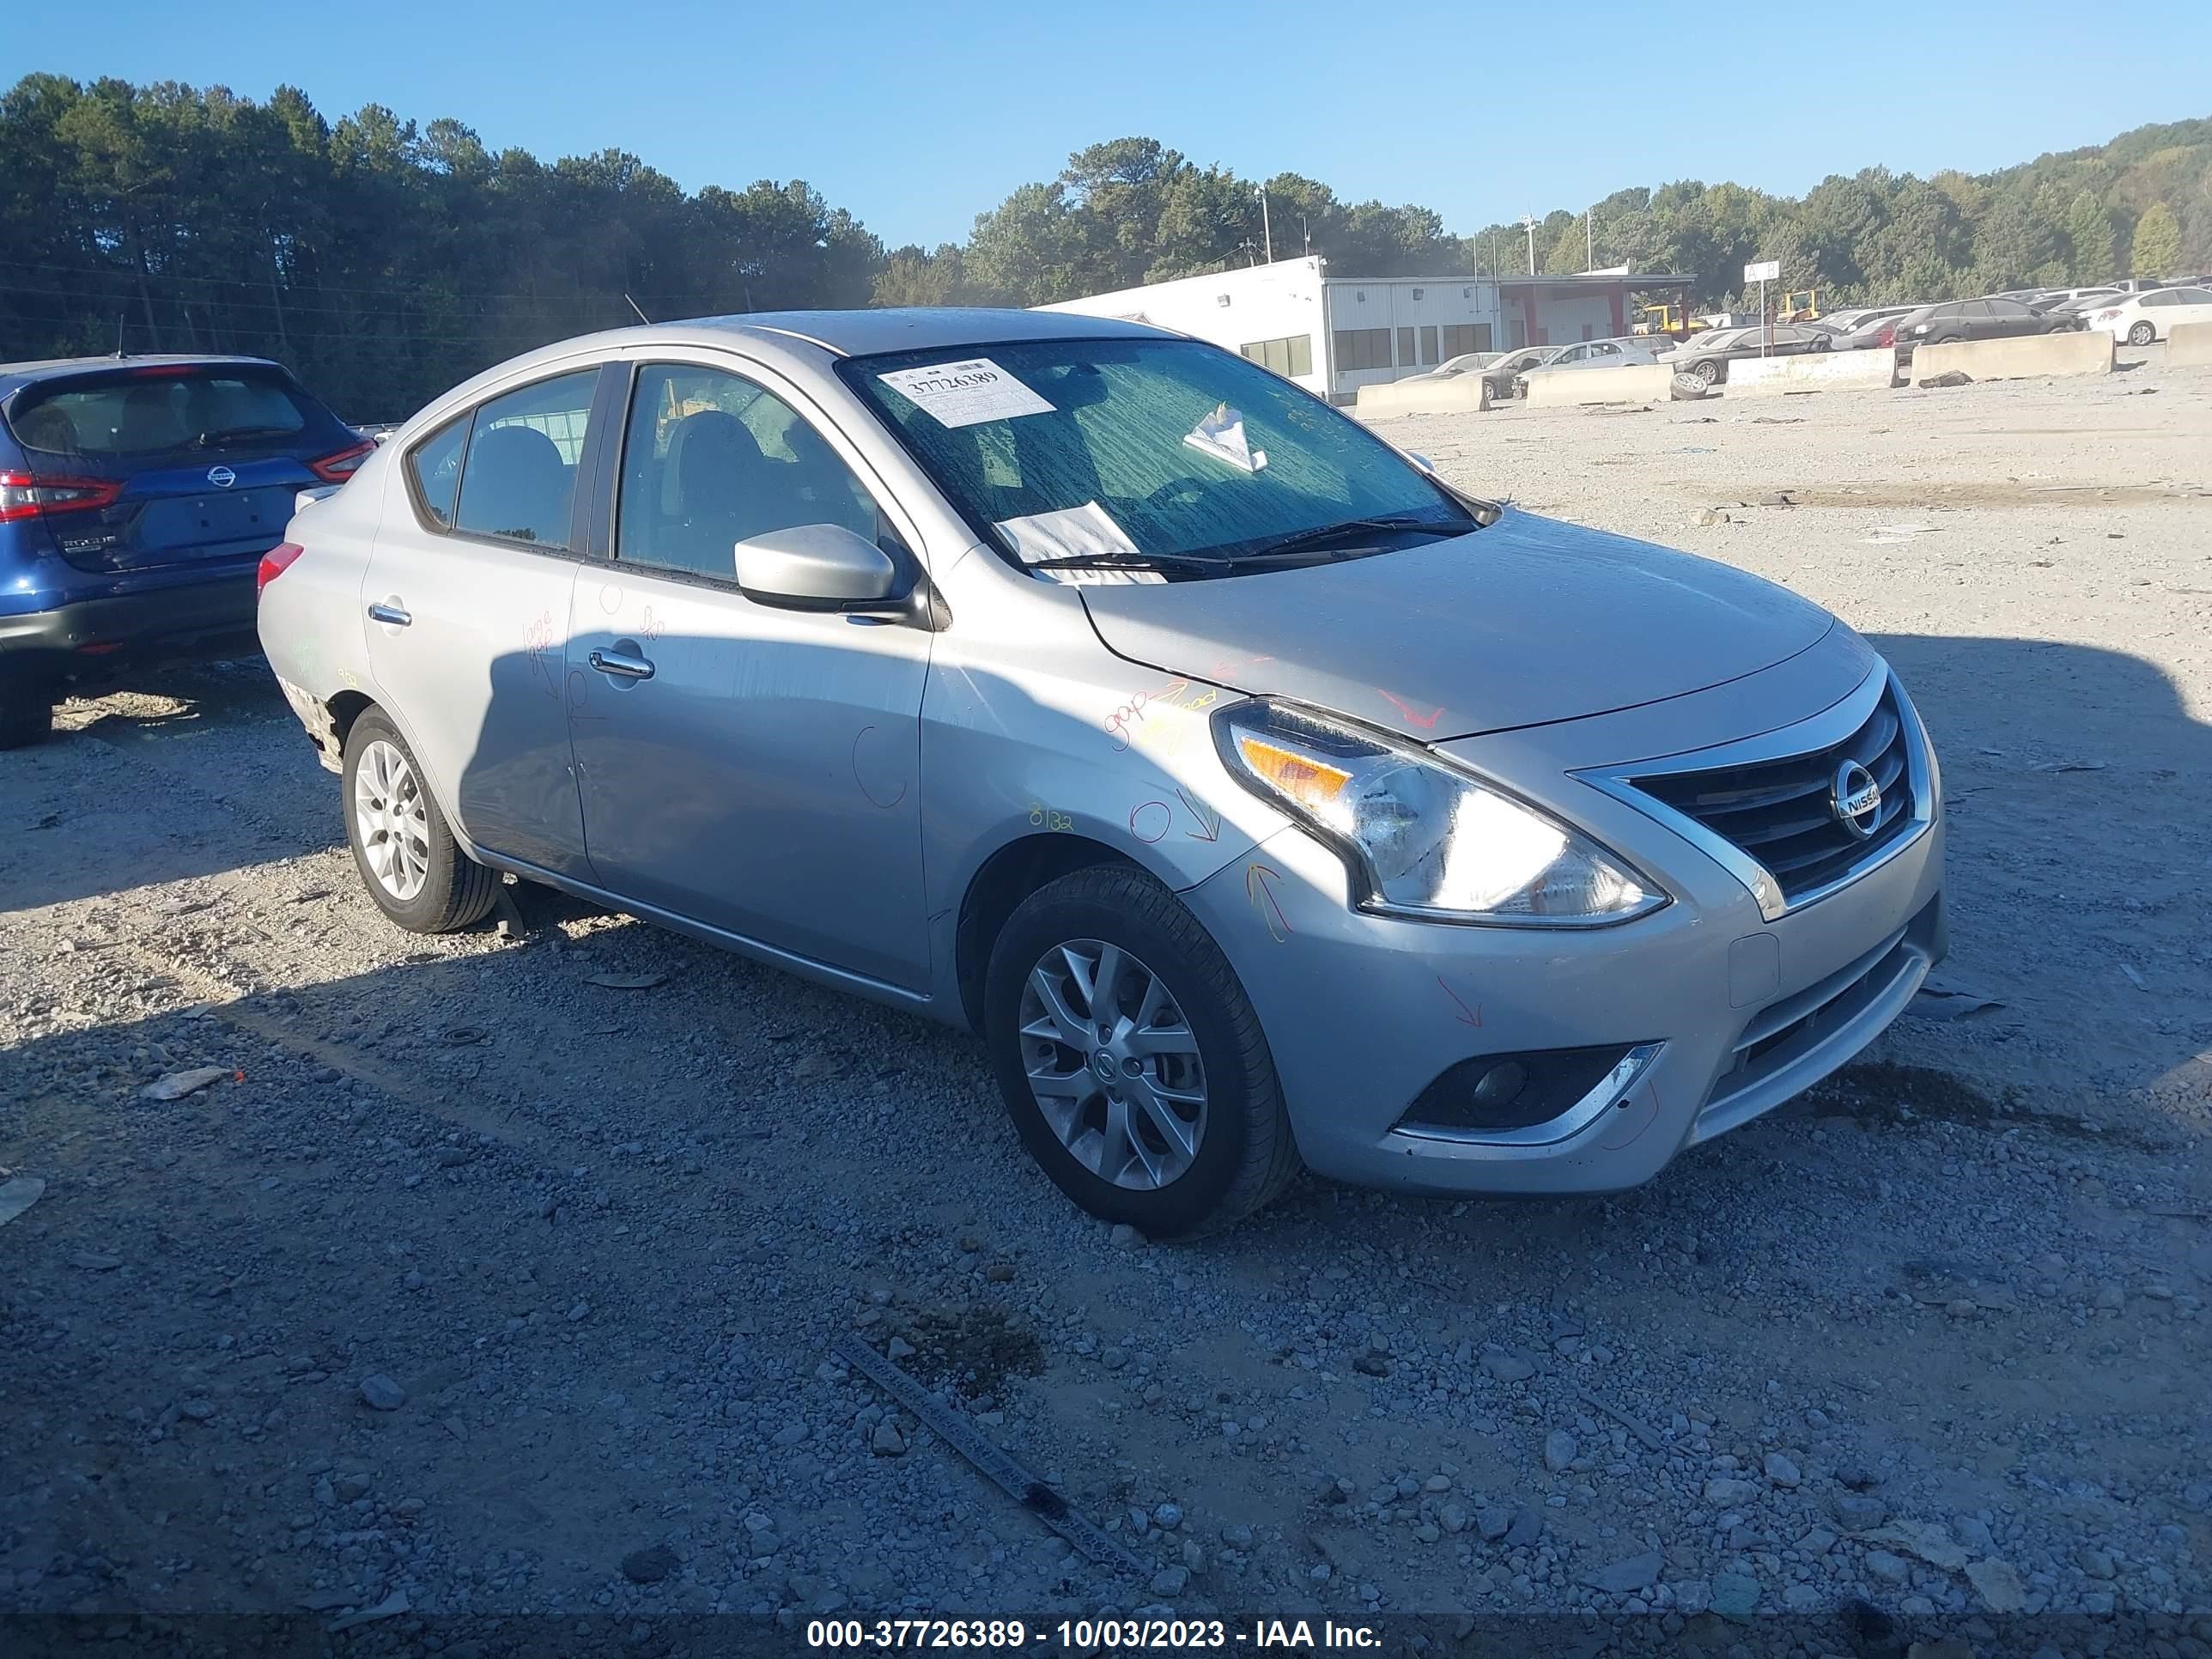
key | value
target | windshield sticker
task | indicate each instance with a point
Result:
(1087, 531)
(966, 394)
(1221, 434)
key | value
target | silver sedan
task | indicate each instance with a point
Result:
(1258, 798)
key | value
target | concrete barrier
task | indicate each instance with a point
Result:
(1631, 382)
(1461, 391)
(2085, 351)
(2189, 345)
(1815, 370)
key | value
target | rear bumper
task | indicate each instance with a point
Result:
(87, 636)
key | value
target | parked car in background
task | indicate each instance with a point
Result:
(1216, 796)
(1871, 327)
(1978, 319)
(1502, 374)
(2142, 318)
(137, 496)
(1708, 356)
(1592, 354)
(1452, 367)
(2082, 298)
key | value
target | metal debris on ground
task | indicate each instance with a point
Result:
(1943, 998)
(177, 1084)
(1010, 1477)
(625, 981)
(1895, 535)
(17, 1194)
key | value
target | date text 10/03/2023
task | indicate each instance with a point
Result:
(1092, 1636)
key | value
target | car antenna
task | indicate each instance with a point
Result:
(633, 305)
(121, 319)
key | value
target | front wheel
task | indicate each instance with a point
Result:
(1708, 371)
(408, 857)
(2141, 334)
(1131, 1060)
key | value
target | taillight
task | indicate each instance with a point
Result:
(274, 563)
(336, 469)
(25, 496)
(1887, 338)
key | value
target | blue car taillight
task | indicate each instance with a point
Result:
(25, 496)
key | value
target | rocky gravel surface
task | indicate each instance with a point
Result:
(445, 1281)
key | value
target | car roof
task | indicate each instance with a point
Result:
(14, 376)
(916, 328)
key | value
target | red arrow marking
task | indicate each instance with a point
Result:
(1426, 722)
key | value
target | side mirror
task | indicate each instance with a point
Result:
(815, 567)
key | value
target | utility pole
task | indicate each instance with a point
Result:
(1529, 223)
(1590, 243)
(1266, 231)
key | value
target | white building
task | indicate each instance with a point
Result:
(1335, 334)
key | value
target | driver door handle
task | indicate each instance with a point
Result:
(395, 615)
(621, 664)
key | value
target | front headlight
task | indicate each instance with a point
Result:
(1424, 839)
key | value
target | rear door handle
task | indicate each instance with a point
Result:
(621, 664)
(395, 615)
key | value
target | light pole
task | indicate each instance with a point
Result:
(1266, 234)
(1529, 223)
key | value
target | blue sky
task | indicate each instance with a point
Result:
(917, 118)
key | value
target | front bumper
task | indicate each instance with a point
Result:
(1740, 1011)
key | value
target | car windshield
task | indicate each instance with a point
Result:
(1168, 454)
(131, 412)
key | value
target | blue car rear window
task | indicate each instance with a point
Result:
(134, 413)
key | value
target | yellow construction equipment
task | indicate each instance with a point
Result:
(1802, 306)
(1673, 321)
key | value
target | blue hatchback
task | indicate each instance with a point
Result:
(137, 496)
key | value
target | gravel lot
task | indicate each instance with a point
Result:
(471, 1286)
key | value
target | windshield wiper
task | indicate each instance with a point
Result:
(1300, 541)
(1129, 562)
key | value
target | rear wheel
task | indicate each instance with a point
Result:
(2141, 334)
(1132, 1063)
(408, 857)
(27, 707)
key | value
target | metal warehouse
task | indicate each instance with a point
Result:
(1335, 334)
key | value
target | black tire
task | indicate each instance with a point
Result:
(2142, 334)
(1246, 1156)
(457, 892)
(1709, 371)
(26, 709)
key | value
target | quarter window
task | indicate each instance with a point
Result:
(436, 465)
(519, 481)
(711, 459)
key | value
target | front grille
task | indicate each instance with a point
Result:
(1779, 811)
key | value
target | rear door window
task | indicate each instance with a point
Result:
(140, 413)
(519, 479)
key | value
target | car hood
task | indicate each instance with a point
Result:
(1525, 622)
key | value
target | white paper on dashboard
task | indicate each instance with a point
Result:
(1221, 434)
(966, 393)
(1087, 531)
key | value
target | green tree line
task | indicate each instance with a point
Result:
(385, 261)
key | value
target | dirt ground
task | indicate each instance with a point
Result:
(474, 1287)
